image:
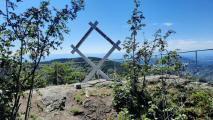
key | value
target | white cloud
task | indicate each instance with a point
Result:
(168, 24)
(188, 44)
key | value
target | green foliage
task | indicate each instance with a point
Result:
(134, 96)
(181, 104)
(75, 111)
(170, 64)
(131, 46)
(36, 31)
(79, 96)
(136, 104)
(202, 101)
(111, 117)
(59, 73)
(68, 71)
(121, 97)
(39, 93)
(35, 117)
(200, 98)
(124, 115)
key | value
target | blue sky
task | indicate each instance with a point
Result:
(191, 19)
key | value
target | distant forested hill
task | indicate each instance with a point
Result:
(78, 59)
(203, 70)
(109, 66)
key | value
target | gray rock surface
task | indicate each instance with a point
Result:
(96, 109)
(54, 102)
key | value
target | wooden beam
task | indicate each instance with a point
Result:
(84, 37)
(104, 35)
(94, 70)
(90, 63)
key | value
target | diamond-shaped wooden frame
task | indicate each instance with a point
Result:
(96, 68)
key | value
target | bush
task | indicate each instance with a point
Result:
(76, 111)
(79, 96)
(121, 97)
(200, 98)
(124, 115)
(135, 103)
(35, 117)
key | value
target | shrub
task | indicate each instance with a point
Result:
(124, 115)
(136, 103)
(39, 93)
(111, 116)
(35, 117)
(76, 111)
(121, 97)
(200, 98)
(79, 96)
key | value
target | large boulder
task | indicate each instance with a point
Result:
(54, 102)
(96, 109)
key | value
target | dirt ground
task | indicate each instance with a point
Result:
(65, 102)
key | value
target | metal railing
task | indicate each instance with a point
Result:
(196, 53)
(194, 58)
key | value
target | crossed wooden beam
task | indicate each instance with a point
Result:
(96, 68)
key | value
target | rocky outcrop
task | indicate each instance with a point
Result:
(54, 102)
(60, 102)
(96, 109)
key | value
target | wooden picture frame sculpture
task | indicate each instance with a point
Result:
(96, 68)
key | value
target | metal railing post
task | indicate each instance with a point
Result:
(196, 57)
